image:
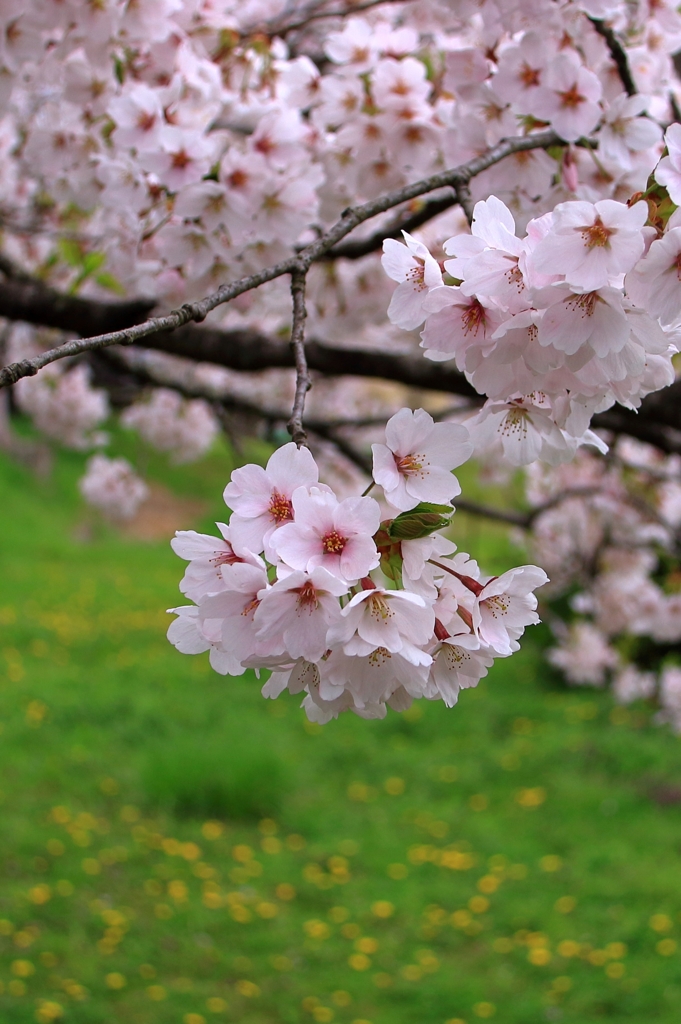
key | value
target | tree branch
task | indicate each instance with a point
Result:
(350, 219)
(303, 380)
(618, 54)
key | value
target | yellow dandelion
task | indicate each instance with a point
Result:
(661, 923)
(359, 962)
(568, 948)
(248, 989)
(615, 969)
(366, 945)
(539, 956)
(48, 1011)
(281, 963)
(565, 905)
(22, 968)
(157, 993)
(193, 1018)
(40, 894)
(666, 947)
(394, 786)
(484, 1009)
(341, 997)
(215, 1004)
(266, 910)
(115, 980)
(382, 908)
(284, 891)
(323, 1014)
(412, 972)
(551, 863)
(339, 914)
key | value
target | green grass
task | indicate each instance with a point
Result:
(168, 831)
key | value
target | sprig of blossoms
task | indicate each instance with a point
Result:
(581, 312)
(356, 612)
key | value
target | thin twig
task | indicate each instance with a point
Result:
(349, 220)
(303, 380)
(463, 195)
(618, 54)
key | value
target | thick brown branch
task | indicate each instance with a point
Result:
(350, 219)
(303, 380)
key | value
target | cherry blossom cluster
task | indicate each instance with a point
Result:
(607, 531)
(185, 141)
(580, 313)
(186, 428)
(354, 610)
(113, 487)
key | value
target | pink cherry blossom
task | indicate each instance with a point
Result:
(505, 605)
(227, 619)
(206, 556)
(668, 171)
(300, 608)
(392, 619)
(459, 662)
(596, 318)
(336, 535)
(592, 243)
(416, 270)
(415, 463)
(568, 98)
(261, 498)
(655, 282)
(113, 487)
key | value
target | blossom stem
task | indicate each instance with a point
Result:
(468, 581)
(369, 488)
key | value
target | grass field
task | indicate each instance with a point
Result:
(177, 850)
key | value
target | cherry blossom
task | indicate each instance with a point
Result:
(592, 243)
(261, 498)
(301, 607)
(416, 270)
(335, 535)
(113, 487)
(415, 463)
(668, 171)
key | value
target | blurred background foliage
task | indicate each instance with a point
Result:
(177, 850)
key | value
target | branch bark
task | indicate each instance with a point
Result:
(303, 380)
(618, 54)
(350, 219)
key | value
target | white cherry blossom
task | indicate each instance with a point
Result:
(416, 462)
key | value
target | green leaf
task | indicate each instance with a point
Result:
(70, 252)
(421, 521)
(107, 280)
